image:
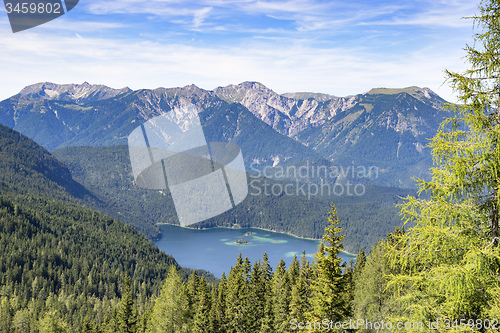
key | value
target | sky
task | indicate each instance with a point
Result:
(336, 47)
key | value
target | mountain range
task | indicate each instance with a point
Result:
(386, 128)
(86, 128)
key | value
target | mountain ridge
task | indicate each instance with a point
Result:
(388, 127)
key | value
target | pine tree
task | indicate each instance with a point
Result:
(280, 298)
(329, 286)
(301, 292)
(451, 256)
(171, 307)
(267, 276)
(127, 315)
(219, 321)
(236, 288)
(203, 302)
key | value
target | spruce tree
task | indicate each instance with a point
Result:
(267, 276)
(372, 301)
(236, 288)
(301, 292)
(256, 298)
(191, 293)
(213, 322)
(360, 263)
(220, 306)
(201, 316)
(451, 257)
(127, 315)
(281, 298)
(5, 315)
(294, 271)
(52, 323)
(329, 285)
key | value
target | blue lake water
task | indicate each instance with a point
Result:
(215, 249)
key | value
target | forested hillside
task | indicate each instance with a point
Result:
(26, 167)
(66, 268)
(63, 265)
(66, 263)
(438, 274)
(106, 171)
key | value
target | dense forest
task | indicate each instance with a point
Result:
(61, 263)
(106, 172)
(66, 268)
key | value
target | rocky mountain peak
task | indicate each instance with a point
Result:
(424, 94)
(71, 92)
(320, 97)
(238, 93)
(384, 125)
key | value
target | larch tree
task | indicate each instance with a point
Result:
(171, 307)
(449, 260)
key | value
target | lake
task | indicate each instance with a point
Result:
(216, 250)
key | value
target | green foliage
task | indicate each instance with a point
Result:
(170, 308)
(373, 299)
(330, 284)
(127, 315)
(72, 256)
(106, 172)
(280, 298)
(300, 302)
(203, 304)
(27, 168)
(62, 265)
(451, 258)
(254, 299)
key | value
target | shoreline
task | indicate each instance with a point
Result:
(258, 228)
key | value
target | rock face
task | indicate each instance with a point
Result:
(79, 93)
(287, 115)
(386, 128)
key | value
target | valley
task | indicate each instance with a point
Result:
(85, 127)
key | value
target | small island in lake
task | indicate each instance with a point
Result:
(241, 241)
(249, 233)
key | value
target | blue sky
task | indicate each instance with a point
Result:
(336, 47)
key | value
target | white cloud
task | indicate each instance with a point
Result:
(283, 67)
(200, 16)
(335, 47)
